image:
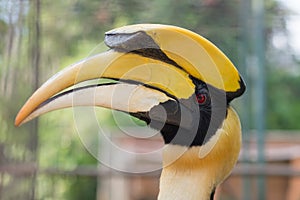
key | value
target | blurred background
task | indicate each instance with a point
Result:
(45, 159)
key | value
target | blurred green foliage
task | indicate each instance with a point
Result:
(70, 30)
(283, 100)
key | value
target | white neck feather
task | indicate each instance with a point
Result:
(180, 182)
(184, 186)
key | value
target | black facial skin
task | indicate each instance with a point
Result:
(188, 122)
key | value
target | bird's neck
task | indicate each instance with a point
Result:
(194, 173)
(182, 180)
(180, 185)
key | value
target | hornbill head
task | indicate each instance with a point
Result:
(175, 80)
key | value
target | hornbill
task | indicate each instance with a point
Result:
(178, 83)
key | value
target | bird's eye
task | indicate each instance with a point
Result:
(201, 98)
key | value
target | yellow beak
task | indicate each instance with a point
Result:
(153, 64)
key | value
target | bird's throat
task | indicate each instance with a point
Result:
(182, 185)
(182, 180)
(192, 173)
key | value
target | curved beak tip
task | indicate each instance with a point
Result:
(19, 119)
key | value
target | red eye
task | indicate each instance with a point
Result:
(201, 98)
